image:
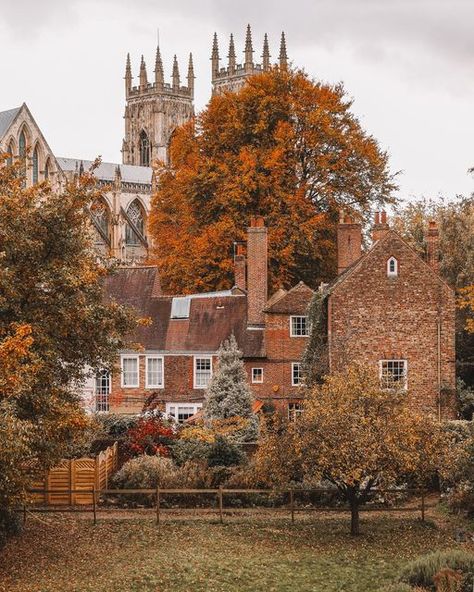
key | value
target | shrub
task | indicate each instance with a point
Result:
(146, 472)
(197, 432)
(183, 451)
(115, 425)
(224, 454)
(422, 571)
(151, 435)
(465, 396)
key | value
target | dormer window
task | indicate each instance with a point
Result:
(392, 267)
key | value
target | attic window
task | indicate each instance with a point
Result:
(392, 267)
(180, 307)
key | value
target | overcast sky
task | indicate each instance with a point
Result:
(408, 65)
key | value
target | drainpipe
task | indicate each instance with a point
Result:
(439, 369)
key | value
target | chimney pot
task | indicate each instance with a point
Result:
(383, 217)
(257, 271)
(349, 243)
(432, 245)
(377, 218)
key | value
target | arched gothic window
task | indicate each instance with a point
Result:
(136, 216)
(144, 149)
(22, 153)
(11, 150)
(392, 267)
(101, 214)
(46, 169)
(35, 165)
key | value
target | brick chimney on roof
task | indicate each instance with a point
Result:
(432, 245)
(257, 271)
(240, 280)
(380, 227)
(349, 242)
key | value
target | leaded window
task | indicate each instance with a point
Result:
(135, 214)
(102, 390)
(35, 165)
(299, 326)
(101, 215)
(144, 149)
(393, 374)
(10, 154)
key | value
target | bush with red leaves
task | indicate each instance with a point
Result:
(151, 435)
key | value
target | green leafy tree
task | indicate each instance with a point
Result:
(54, 322)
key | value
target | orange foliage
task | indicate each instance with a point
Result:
(284, 147)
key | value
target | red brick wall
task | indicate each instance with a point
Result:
(373, 317)
(256, 273)
(349, 243)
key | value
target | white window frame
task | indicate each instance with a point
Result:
(124, 357)
(174, 415)
(254, 380)
(291, 325)
(405, 363)
(293, 383)
(196, 358)
(295, 412)
(102, 399)
(395, 272)
(149, 385)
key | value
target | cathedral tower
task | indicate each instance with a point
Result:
(233, 77)
(154, 110)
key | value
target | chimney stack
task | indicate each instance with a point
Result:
(380, 227)
(257, 271)
(240, 280)
(432, 242)
(349, 242)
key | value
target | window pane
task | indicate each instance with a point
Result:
(296, 374)
(154, 371)
(203, 372)
(130, 371)
(299, 326)
(257, 374)
(393, 374)
(102, 390)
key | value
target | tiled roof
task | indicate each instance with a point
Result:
(106, 170)
(295, 301)
(6, 119)
(211, 319)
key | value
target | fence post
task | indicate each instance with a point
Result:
(423, 504)
(158, 505)
(94, 509)
(292, 505)
(219, 494)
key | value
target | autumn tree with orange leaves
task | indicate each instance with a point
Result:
(54, 323)
(284, 147)
(355, 435)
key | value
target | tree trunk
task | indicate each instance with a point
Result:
(354, 502)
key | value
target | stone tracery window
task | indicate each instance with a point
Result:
(101, 215)
(11, 150)
(144, 149)
(22, 153)
(35, 165)
(135, 213)
(47, 167)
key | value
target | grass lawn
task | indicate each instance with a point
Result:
(67, 553)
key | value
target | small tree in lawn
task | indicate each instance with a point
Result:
(357, 436)
(228, 395)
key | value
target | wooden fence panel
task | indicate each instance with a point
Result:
(79, 475)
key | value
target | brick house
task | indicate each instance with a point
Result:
(179, 348)
(391, 309)
(387, 307)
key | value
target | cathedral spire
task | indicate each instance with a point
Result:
(231, 55)
(128, 76)
(143, 76)
(159, 76)
(176, 81)
(215, 57)
(266, 53)
(191, 76)
(248, 65)
(283, 58)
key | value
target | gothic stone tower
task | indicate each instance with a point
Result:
(234, 76)
(153, 111)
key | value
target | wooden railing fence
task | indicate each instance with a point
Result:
(71, 481)
(92, 495)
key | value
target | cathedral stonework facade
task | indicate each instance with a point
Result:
(153, 111)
